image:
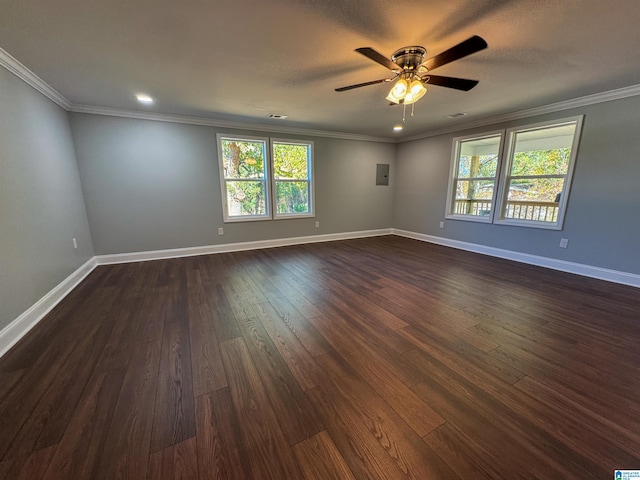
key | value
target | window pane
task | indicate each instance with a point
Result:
(246, 198)
(473, 197)
(541, 162)
(243, 158)
(534, 199)
(290, 161)
(292, 197)
(478, 157)
(544, 151)
(535, 189)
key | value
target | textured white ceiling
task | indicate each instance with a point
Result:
(240, 60)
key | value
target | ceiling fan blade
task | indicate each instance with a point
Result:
(379, 58)
(469, 46)
(351, 87)
(450, 82)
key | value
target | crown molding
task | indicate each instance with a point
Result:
(26, 75)
(18, 69)
(607, 96)
(210, 122)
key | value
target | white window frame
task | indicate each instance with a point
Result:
(309, 180)
(499, 217)
(505, 159)
(453, 178)
(220, 137)
(269, 179)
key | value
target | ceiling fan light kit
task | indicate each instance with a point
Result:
(398, 91)
(413, 72)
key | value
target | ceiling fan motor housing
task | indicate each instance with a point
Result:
(409, 57)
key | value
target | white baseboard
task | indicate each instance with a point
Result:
(13, 332)
(233, 247)
(614, 276)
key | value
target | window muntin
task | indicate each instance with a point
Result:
(245, 187)
(292, 172)
(473, 187)
(537, 174)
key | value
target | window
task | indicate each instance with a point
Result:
(250, 171)
(526, 186)
(244, 167)
(474, 172)
(292, 178)
(537, 174)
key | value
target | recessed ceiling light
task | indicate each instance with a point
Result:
(143, 98)
(397, 128)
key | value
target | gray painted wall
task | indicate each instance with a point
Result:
(602, 220)
(154, 185)
(41, 204)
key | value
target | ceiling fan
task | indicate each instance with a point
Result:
(413, 72)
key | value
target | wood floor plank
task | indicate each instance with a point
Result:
(578, 426)
(515, 440)
(383, 377)
(174, 413)
(438, 343)
(78, 452)
(348, 338)
(270, 456)
(5, 468)
(36, 464)
(467, 458)
(300, 326)
(301, 364)
(380, 336)
(207, 369)
(127, 446)
(11, 379)
(399, 441)
(319, 459)
(241, 306)
(119, 346)
(49, 417)
(150, 321)
(206, 362)
(178, 462)
(359, 307)
(221, 450)
(297, 420)
(225, 323)
(289, 290)
(366, 458)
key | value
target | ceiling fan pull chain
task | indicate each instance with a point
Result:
(413, 105)
(404, 112)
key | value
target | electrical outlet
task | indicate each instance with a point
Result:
(564, 242)
(75, 243)
(441, 224)
(220, 231)
(317, 224)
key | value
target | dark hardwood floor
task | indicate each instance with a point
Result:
(381, 358)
